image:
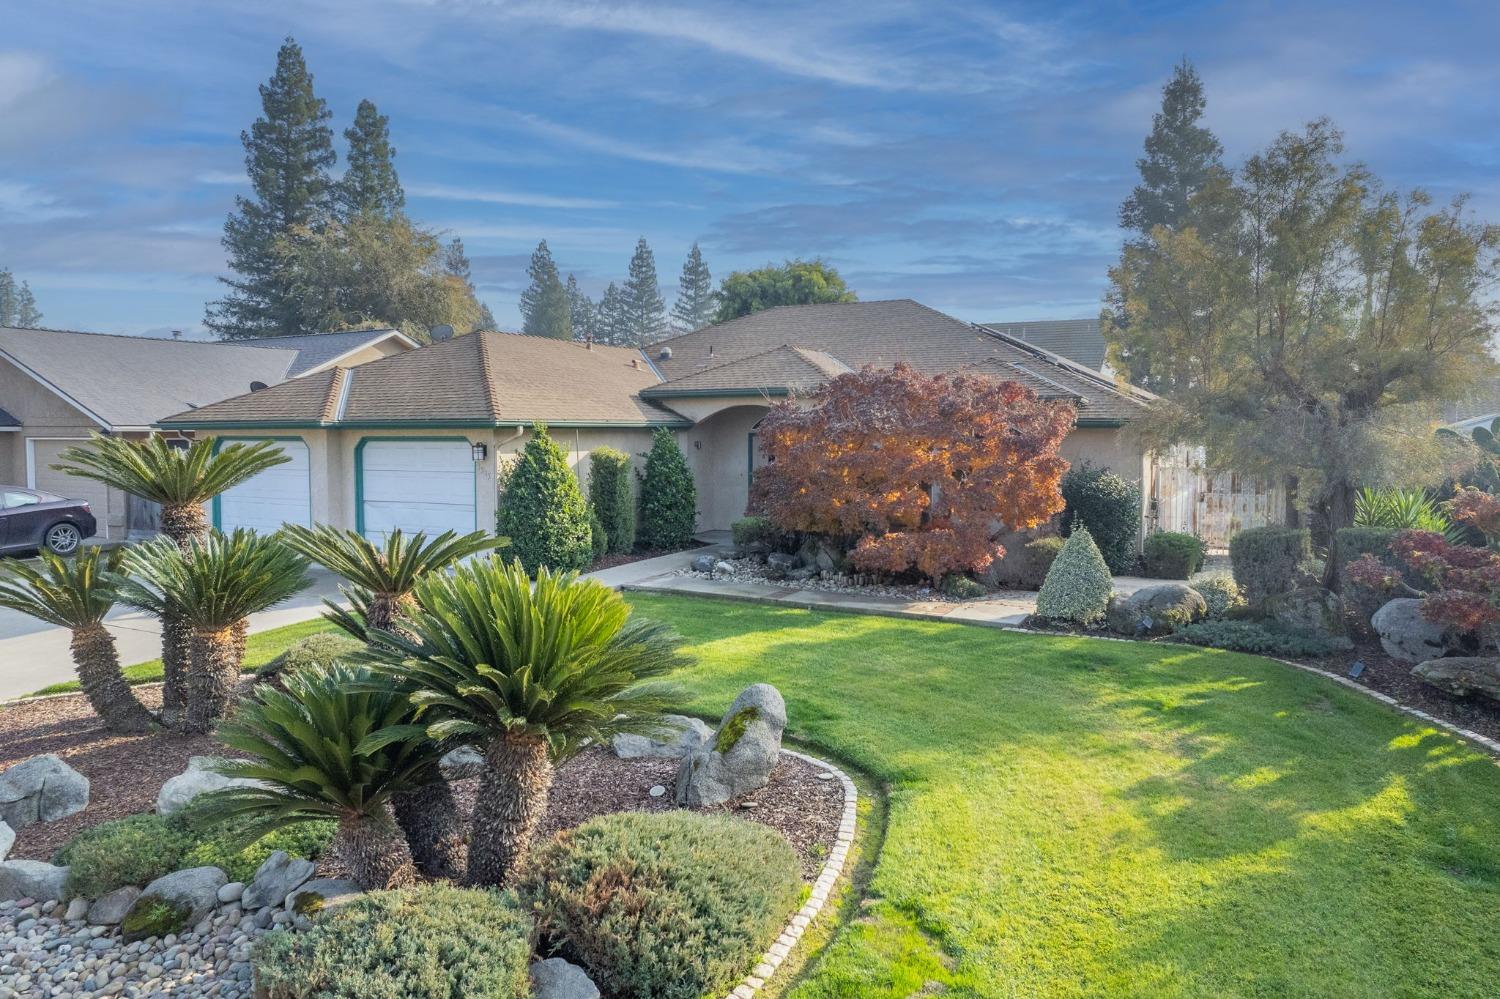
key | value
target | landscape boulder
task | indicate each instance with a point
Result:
(108, 909)
(41, 789)
(1155, 610)
(172, 902)
(741, 754)
(1462, 675)
(680, 735)
(198, 778)
(322, 895)
(31, 879)
(462, 763)
(782, 562)
(556, 978)
(275, 879)
(1406, 635)
(704, 564)
(1311, 609)
(7, 839)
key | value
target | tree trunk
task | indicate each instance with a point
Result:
(1289, 515)
(213, 673)
(374, 850)
(98, 664)
(1337, 507)
(184, 521)
(512, 798)
(176, 639)
(434, 832)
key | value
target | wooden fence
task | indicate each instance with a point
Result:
(1215, 506)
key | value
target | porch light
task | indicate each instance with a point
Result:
(478, 451)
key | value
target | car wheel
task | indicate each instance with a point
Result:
(63, 539)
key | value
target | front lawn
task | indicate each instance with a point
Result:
(1072, 817)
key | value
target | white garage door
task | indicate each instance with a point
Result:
(416, 485)
(279, 495)
(41, 454)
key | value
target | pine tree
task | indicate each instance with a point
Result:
(1181, 158)
(27, 315)
(696, 299)
(645, 311)
(611, 322)
(7, 298)
(370, 185)
(544, 305)
(456, 265)
(543, 511)
(669, 499)
(17, 305)
(582, 313)
(288, 153)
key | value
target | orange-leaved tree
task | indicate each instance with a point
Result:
(913, 471)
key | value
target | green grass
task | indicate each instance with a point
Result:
(1070, 817)
(260, 648)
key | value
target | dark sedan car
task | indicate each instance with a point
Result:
(31, 520)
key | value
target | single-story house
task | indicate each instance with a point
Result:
(1079, 340)
(58, 387)
(418, 440)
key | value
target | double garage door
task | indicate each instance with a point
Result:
(410, 484)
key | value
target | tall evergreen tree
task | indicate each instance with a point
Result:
(27, 315)
(544, 305)
(370, 185)
(645, 311)
(288, 153)
(17, 305)
(696, 299)
(456, 265)
(582, 312)
(611, 322)
(1182, 157)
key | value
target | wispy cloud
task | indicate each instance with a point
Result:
(721, 156)
(448, 192)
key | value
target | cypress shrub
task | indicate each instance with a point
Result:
(543, 511)
(1078, 585)
(669, 500)
(609, 492)
(1172, 555)
(1266, 559)
(598, 538)
(1109, 507)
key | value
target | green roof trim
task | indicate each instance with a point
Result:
(657, 393)
(416, 424)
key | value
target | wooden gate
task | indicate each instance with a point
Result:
(1215, 506)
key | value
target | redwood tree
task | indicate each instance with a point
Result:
(914, 472)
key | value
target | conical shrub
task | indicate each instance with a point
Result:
(669, 499)
(543, 511)
(1078, 585)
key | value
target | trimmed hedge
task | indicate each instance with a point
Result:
(673, 905)
(754, 530)
(1253, 636)
(598, 538)
(611, 498)
(320, 651)
(1078, 585)
(432, 942)
(1221, 593)
(1110, 508)
(130, 851)
(1172, 555)
(669, 500)
(543, 511)
(1266, 560)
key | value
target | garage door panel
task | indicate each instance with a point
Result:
(276, 496)
(412, 486)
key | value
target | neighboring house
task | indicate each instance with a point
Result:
(1479, 408)
(418, 440)
(58, 387)
(1078, 340)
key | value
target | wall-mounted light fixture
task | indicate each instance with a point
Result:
(479, 451)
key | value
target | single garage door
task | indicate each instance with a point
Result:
(41, 454)
(416, 485)
(279, 495)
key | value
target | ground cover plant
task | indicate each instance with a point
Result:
(1073, 817)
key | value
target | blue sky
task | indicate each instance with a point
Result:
(968, 155)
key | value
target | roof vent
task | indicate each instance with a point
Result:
(635, 362)
(710, 350)
(257, 386)
(665, 354)
(439, 333)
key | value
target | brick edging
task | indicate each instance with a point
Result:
(821, 891)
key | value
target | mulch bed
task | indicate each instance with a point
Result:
(126, 772)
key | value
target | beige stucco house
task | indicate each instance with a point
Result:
(59, 387)
(418, 440)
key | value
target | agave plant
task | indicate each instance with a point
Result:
(1404, 509)
(336, 743)
(76, 593)
(530, 675)
(181, 480)
(213, 585)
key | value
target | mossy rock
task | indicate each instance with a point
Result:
(154, 916)
(734, 729)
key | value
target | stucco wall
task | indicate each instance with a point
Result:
(1114, 449)
(718, 451)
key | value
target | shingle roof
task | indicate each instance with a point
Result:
(881, 334)
(1076, 339)
(784, 368)
(482, 379)
(314, 349)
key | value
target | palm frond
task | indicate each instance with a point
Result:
(214, 582)
(71, 593)
(1405, 509)
(392, 567)
(154, 470)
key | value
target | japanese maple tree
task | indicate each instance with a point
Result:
(913, 471)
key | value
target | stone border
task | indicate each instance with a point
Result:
(821, 891)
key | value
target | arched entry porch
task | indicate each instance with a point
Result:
(721, 448)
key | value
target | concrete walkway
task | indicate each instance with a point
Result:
(34, 654)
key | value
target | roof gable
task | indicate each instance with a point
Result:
(776, 371)
(1079, 340)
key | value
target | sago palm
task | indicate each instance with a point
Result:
(76, 593)
(213, 584)
(180, 480)
(335, 743)
(381, 579)
(530, 675)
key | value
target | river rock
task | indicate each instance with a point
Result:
(680, 735)
(555, 978)
(198, 778)
(110, 908)
(742, 753)
(275, 879)
(1406, 635)
(31, 879)
(1156, 610)
(1462, 675)
(41, 789)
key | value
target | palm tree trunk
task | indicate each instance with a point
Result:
(184, 521)
(385, 608)
(374, 851)
(176, 638)
(213, 673)
(429, 817)
(98, 664)
(512, 798)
